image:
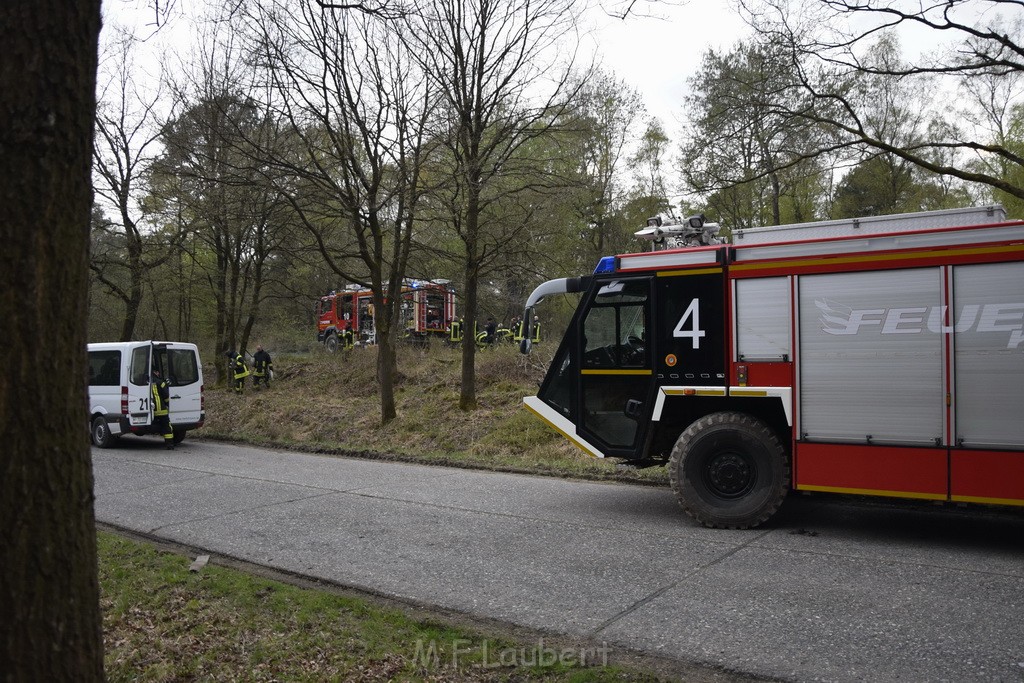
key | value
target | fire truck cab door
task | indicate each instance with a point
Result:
(615, 375)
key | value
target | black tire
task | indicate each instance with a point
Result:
(729, 471)
(331, 343)
(101, 435)
(179, 435)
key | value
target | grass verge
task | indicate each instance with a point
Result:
(329, 404)
(162, 622)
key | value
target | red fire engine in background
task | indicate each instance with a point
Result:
(346, 318)
(877, 356)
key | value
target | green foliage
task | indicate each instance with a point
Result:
(1013, 141)
(751, 161)
(884, 185)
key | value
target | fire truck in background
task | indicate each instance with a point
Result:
(346, 317)
(878, 356)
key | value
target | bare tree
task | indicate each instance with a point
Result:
(212, 174)
(496, 66)
(830, 39)
(354, 110)
(49, 594)
(127, 133)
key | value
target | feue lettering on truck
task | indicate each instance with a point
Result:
(881, 356)
(120, 394)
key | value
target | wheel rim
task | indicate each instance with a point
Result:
(100, 432)
(729, 474)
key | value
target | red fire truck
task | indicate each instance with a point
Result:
(346, 317)
(880, 356)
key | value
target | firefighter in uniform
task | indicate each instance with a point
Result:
(237, 370)
(486, 337)
(262, 366)
(455, 332)
(161, 395)
(536, 330)
(517, 329)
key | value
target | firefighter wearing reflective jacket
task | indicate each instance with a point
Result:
(237, 370)
(517, 329)
(262, 368)
(161, 394)
(455, 332)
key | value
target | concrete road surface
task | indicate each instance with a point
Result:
(832, 589)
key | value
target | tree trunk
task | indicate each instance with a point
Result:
(384, 321)
(134, 301)
(49, 596)
(467, 394)
(386, 360)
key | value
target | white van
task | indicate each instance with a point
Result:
(119, 388)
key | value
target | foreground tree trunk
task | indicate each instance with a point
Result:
(49, 597)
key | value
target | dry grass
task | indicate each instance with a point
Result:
(330, 404)
(162, 622)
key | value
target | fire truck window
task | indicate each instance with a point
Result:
(408, 311)
(560, 389)
(435, 311)
(599, 338)
(104, 368)
(615, 331)
(326, 305)
(140, 366)
(345, 303)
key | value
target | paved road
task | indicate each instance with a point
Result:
(831, 590)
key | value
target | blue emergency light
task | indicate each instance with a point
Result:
(605, 265)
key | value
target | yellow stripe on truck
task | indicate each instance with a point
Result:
(616, 372)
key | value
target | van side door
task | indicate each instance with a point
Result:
(182, 368)
(140, 410)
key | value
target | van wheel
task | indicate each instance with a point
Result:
(179, 435)
(101, 435)
(729, 470)
(331, 343)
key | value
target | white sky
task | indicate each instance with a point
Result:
(654, 50)
(657, 55)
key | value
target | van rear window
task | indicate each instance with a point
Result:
(182, 366)
(140, 366)
(104, 368)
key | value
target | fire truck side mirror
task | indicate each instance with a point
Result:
(525, 346)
